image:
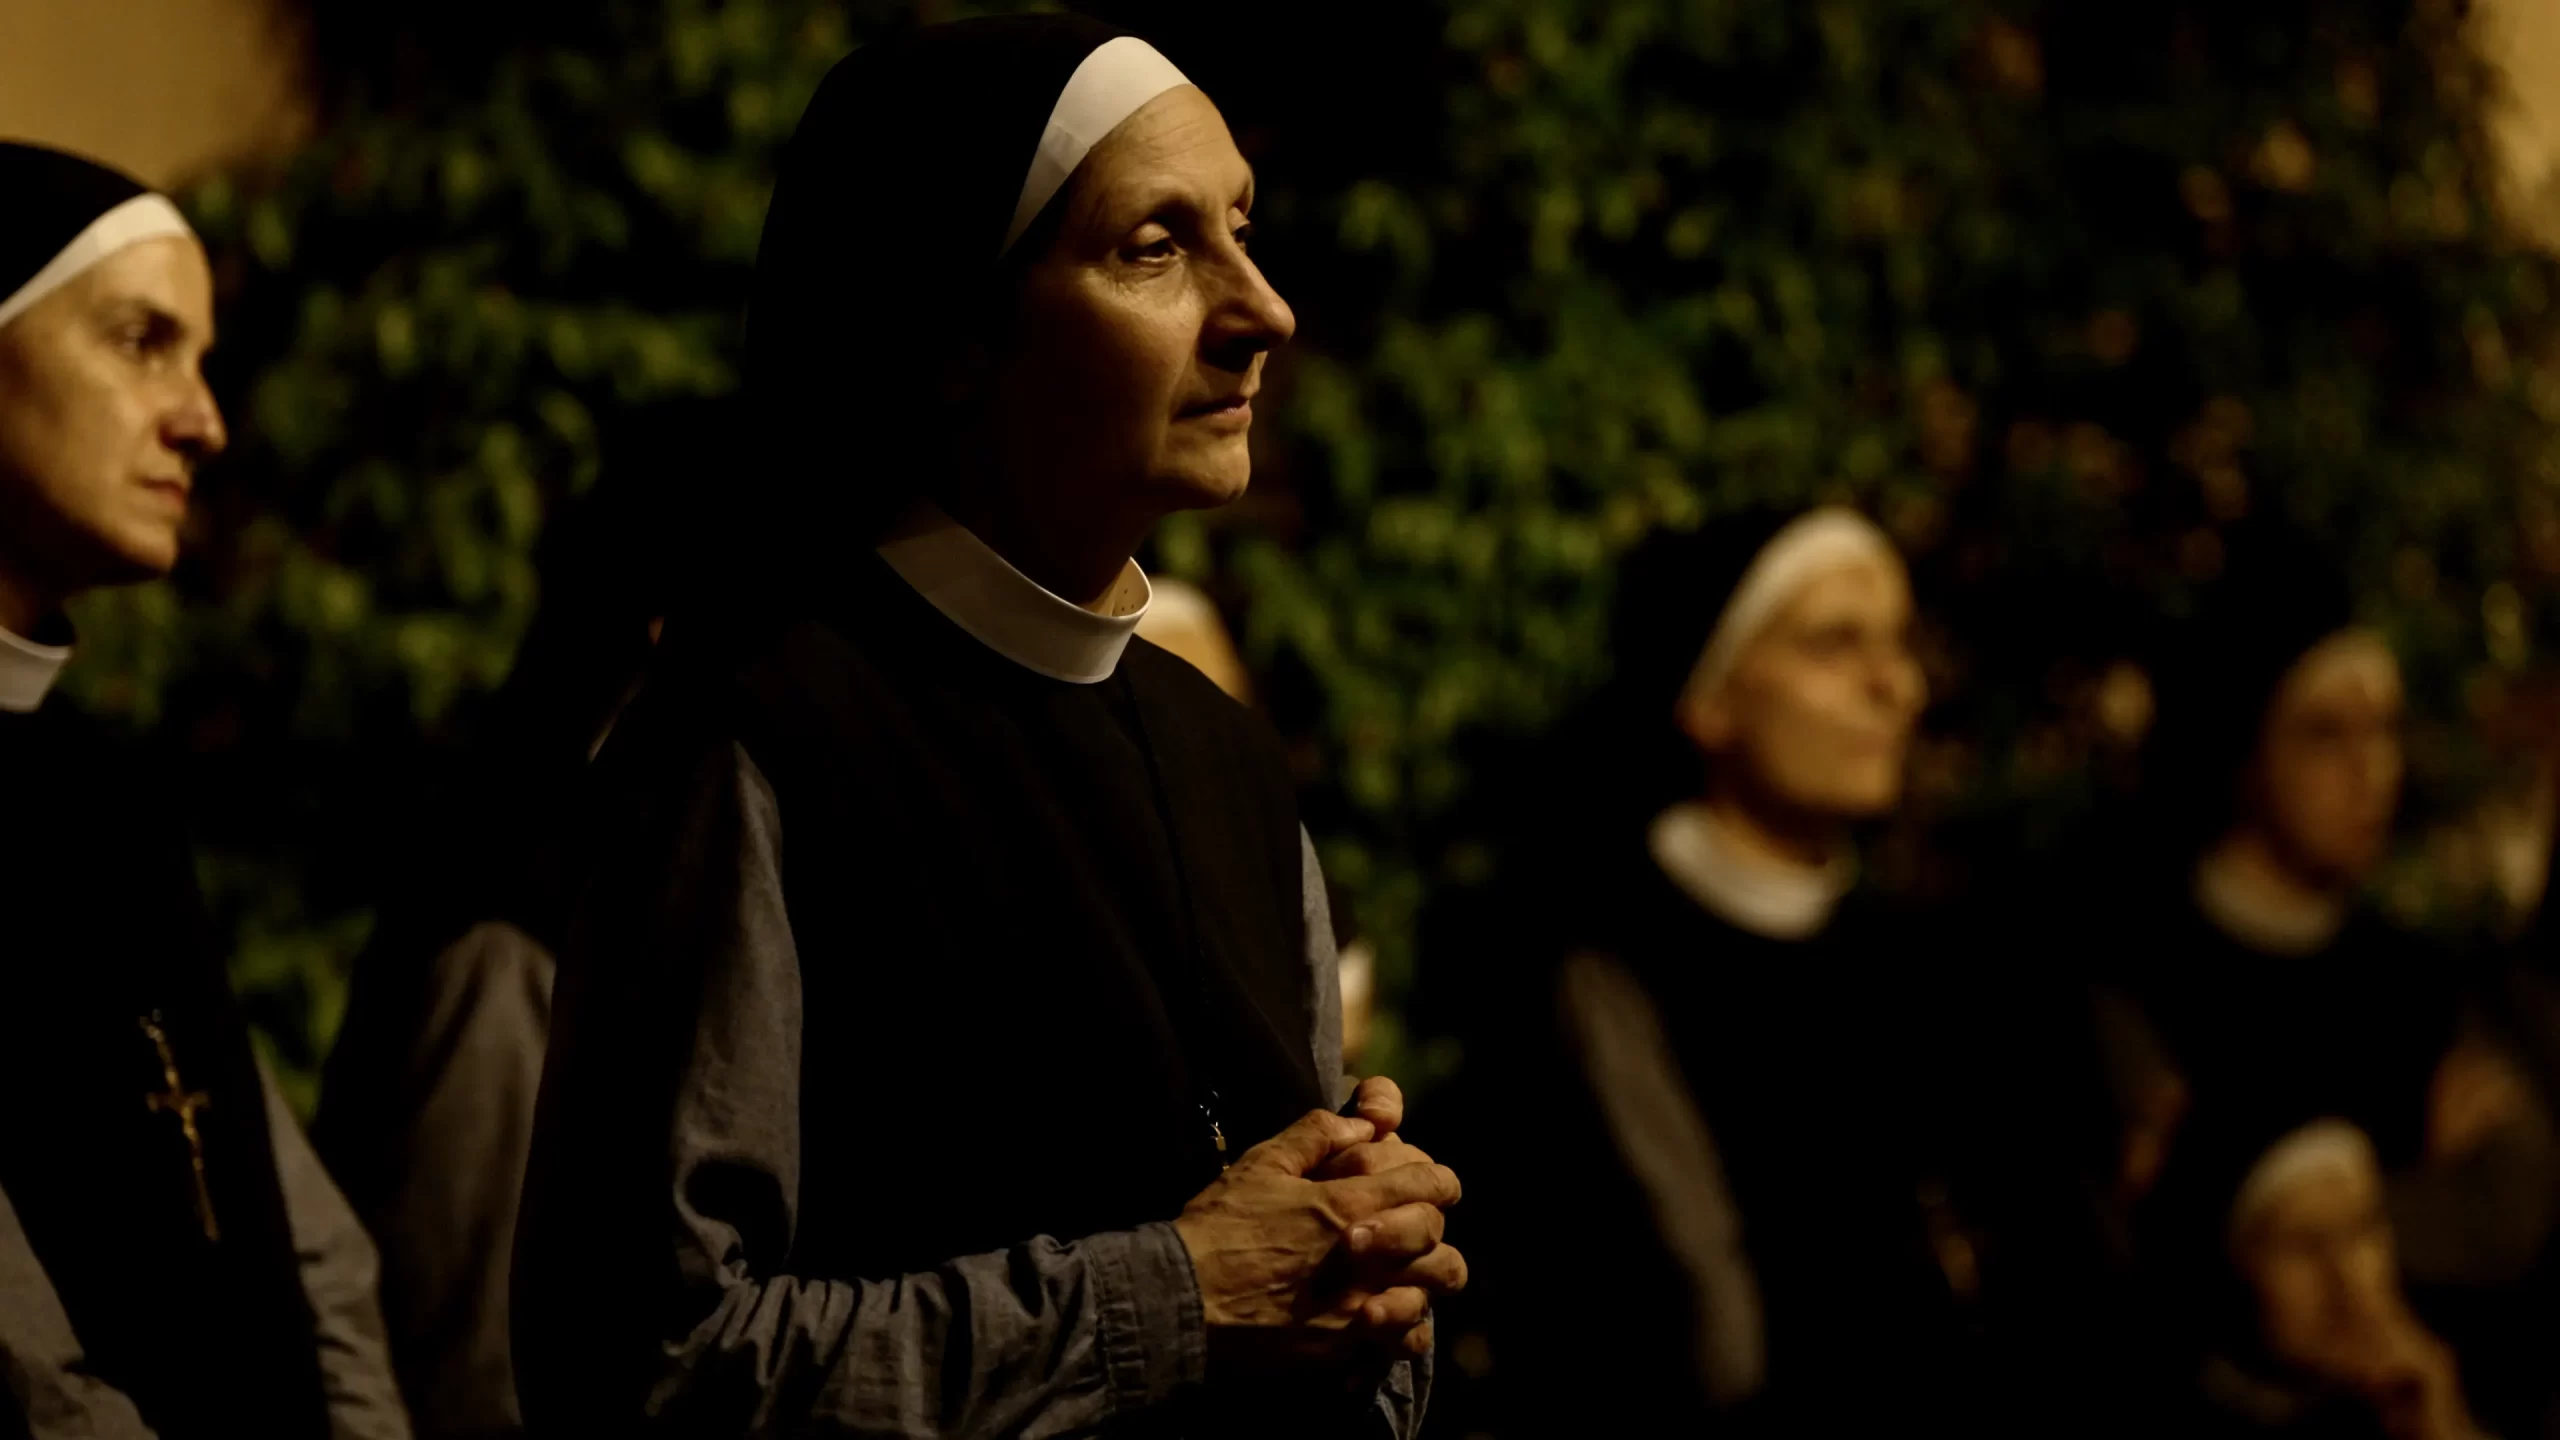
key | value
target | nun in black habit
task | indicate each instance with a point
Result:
(2278, 1257)
(2273, 776)
(173, 1259)
(2241, 937)
(1742, 1027)
(426, 1110)
(947, 942)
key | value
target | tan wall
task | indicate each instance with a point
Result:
(159, 87)
(2523, 36)
(166, 87)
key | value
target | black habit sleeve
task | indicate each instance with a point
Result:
(1046, 1338)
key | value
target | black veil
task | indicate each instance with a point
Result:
(882, 258)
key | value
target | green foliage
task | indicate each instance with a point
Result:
(2057, 290)
(430, 315)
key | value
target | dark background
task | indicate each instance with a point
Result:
(2059, 291)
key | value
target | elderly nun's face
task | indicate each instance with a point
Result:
(1818, 711)
(1140, 336)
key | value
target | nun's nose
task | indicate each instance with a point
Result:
(193, 427)
(1251, 318)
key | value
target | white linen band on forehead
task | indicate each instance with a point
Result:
(2356, 655)
(1112, 84)
(144, 217)
(2319, 1148)
(1806, 546)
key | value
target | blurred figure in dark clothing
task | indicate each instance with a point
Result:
(2481, 1234)
(1743, 1035)
(2288, 1277)
(2277, 766)
(427, 1107)
(2235, 932)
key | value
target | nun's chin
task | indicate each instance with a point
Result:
(1205, 481)
(1206, 493)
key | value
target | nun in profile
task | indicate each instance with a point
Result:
(1739, 1016)
(949, 1042)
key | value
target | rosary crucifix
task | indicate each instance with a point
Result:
(178, 1100)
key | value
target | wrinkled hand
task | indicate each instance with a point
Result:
(2409, 1378)
(1403, 1291)
(1397, 1294)
(1380, 1101)
(1296, 1269)
(2375, 1346)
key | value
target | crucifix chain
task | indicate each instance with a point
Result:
(178, 1100)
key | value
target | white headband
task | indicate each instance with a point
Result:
(144, 217)
(1811, 543)
(2321, 1147)
(2354, 656)
(1112, 84)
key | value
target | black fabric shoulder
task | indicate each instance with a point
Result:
(1237, 727)
(1217, 746)
(185, 1324)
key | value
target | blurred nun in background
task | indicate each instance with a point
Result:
(1739, 1020)
(426, 1113)
(2239, 935)
(2288, 1273)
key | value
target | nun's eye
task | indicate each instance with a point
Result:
(1244, 236)
(1152, 243)
(1830, 641)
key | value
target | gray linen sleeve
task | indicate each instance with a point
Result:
(1047, 1338)
(1324, 974)
(1406, 1394)
(341, 1275)
(1659, 1133)
(446, 1221)
(41, 1363)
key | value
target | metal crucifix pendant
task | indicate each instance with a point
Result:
(186, 1104)
(1217, 1136)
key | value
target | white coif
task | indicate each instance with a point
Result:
(1007, 611)
(2330, 1147)
(1112, 84)
(27, 671)
(1809, 544)
(144, 217)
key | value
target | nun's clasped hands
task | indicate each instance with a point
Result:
(1324, 1244)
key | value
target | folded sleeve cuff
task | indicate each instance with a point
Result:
(1153, 1341)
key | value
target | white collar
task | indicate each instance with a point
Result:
(2249, 912)
(1766, 897)
(1008, 611)
(27, 671)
